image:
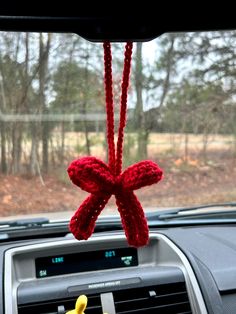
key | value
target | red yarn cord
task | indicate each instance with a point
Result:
(109, 105)
(115, 157)
(123, 106)
(102, 181)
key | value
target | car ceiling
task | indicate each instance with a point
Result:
(98, 23)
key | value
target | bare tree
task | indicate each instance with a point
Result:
(17, 127)
(85, 100)
(43, 66)
(140, 117)
(2, 124)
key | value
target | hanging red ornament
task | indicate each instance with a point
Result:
(103, 181)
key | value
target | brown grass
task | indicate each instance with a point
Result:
(186, 182)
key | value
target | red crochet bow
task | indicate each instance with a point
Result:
(102, 180)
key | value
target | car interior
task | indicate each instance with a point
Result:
(169, 247)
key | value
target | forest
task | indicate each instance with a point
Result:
(181, 106)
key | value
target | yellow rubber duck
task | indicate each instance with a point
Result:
(80, 305)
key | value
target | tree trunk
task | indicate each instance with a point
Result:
(62, 142)
(16, 127)
(64, 101)
(85, 124)
(87, 140)
(34, 148)
(140, 118)
(43, 61)
(3, 148)
(186, 148)
(3, 129)
(169, 65)
(16, 147)
(45, 137)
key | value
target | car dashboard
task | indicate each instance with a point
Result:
(49, 276)
(181, 270)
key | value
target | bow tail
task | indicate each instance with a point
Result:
(133, 219)
(82, 224)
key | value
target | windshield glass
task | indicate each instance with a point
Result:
(181, 114)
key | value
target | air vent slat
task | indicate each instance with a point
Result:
(161, 299)
(50, 307)
(171, 309)
(167, 298)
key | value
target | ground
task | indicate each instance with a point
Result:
(184, 183)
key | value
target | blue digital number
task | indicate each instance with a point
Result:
(109, 254)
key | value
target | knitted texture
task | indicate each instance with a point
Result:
(101, 180)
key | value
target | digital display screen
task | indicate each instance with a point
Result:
(86, 261)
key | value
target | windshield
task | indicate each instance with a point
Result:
(181, 114)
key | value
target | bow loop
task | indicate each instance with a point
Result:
(141, 174)
(91, 175)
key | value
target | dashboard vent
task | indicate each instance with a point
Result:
(60, 306)
(161, 299)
